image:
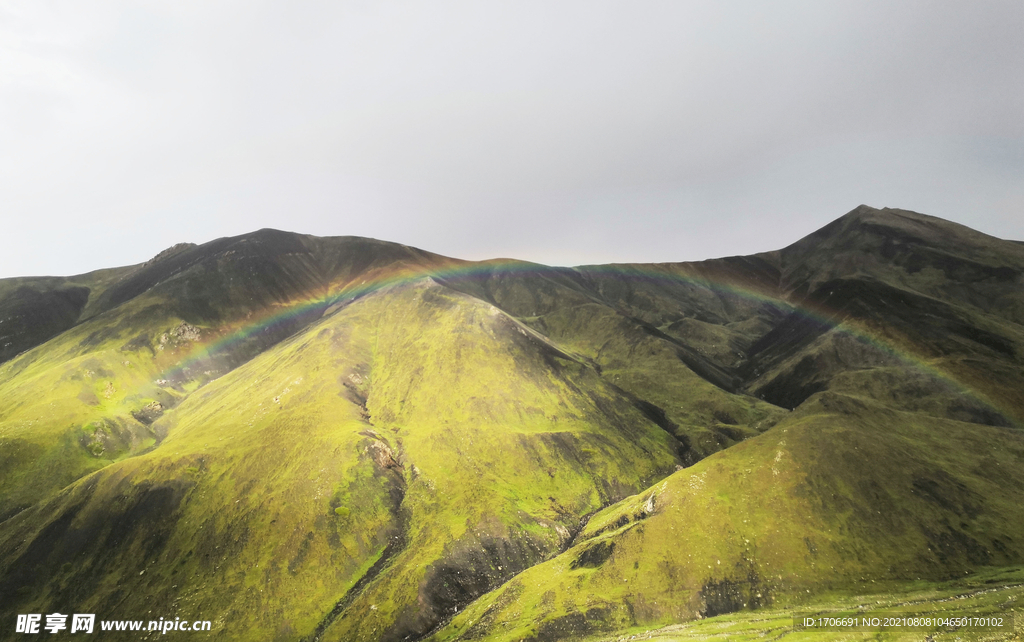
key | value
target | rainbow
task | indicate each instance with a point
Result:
(277, 318)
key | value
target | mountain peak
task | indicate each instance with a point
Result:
(877, 241)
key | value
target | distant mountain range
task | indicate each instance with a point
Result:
(303, 438)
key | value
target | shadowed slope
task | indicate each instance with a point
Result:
(909, 291)
(33, 310)
(876, 289)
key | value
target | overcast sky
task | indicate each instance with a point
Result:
(559, 132)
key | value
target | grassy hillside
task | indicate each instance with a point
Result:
(414, 424)
(149, 335)
(991, 593)
(843, 495)
(306, 438)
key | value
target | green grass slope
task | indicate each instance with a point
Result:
(138, 340)
(83, 400)
(997, 593)
(842, 495)
(508, 442)
(417, 447)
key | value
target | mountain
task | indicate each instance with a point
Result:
(304, 438)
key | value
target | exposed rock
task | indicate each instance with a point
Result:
(171, 251)
(383, 455)
(186, 332)
(149, 413)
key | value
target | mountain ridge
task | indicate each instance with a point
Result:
(340, 438)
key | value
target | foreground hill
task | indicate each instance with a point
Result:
(341, 439)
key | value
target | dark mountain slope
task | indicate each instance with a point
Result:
(35, 316)
(876, 289)
(930, 306)
(890, 288)
(914, 251)
(34, 310)
(234, 276)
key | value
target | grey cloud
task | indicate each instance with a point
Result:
(559, 132)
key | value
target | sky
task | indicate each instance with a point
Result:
(565, 133)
